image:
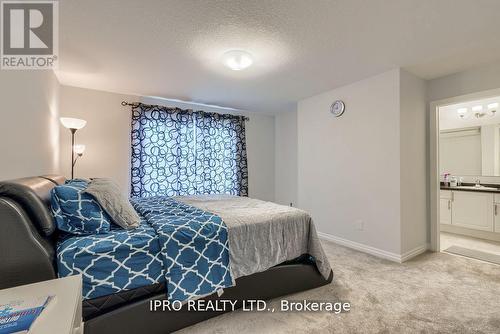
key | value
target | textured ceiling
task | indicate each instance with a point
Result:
(301, 48)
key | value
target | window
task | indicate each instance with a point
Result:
(180, 152)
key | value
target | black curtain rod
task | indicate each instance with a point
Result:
(136, 104)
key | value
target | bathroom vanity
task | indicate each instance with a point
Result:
(470, 208)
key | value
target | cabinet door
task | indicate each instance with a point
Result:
(472, 210)
(497, 216)
(445, 211)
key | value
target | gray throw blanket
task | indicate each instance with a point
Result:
(263, 234)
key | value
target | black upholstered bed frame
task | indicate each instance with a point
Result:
(27, 255)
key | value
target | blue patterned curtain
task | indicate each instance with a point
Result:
(181, 152)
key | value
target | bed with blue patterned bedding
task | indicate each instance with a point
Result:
(112, 262)
(180, 245)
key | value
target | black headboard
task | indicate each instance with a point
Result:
(28, 233)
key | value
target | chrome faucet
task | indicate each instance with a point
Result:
(478, 182)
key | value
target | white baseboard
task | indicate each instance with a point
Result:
(414, 252)
(373, 250)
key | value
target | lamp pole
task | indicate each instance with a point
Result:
(72, 152)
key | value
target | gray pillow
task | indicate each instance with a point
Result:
(116, 205)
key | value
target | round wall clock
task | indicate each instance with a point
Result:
(337, 108)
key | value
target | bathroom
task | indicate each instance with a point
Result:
(469, 169)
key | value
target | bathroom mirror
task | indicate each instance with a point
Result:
(469, 138)
(473, 151)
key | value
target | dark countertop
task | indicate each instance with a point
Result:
(497, 191)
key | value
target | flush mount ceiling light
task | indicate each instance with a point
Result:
(237, 60)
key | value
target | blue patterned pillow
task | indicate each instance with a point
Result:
(77, 212)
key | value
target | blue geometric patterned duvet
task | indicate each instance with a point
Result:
(185, 247)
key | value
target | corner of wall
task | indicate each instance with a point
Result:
(56, 128)
(32, 98)
(286, 177)
(413, 163)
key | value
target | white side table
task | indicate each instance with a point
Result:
(63, 314)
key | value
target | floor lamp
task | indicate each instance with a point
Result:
(74, 124)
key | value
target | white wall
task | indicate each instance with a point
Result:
(332, 135)
(286, 158)
(363, 176)
(107, 138)
(349, 167)
(471, 81)
(260, 151)
(29, 130)
(413, 149)
(475, 80)
(106, 135)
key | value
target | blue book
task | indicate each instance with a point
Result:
(18, 316)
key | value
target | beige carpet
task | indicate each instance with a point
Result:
(433, 293)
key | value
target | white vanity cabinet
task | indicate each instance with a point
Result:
(445, 207)
(473, 210)
(470, 209)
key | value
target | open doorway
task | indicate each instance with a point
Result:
(467, 177)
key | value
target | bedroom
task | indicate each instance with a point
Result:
(315, 120)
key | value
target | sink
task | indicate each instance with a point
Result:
(476, 188)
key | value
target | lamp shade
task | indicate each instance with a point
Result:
(73, 123)
(79, 149)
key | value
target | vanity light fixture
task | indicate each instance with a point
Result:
(461, 112)
(492, 109)
(237, 60)
(74, 124)
(478, 113)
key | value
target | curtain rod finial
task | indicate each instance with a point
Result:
(124, 103)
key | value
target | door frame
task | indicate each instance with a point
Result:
(434, 185)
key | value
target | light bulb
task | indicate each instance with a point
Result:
(493, 105)
(477, 108)
(237, 60)
(79, 149)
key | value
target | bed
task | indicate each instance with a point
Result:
(272, 250)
